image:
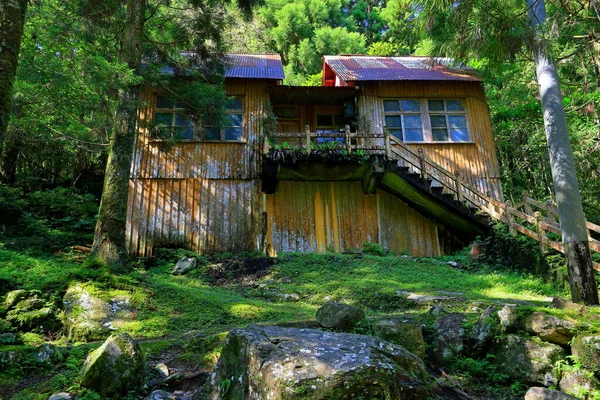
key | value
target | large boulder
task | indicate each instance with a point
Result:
(448, 340)
(405, 332)
(115, 367)
(578, 383)
(275, 363)
(90, 317)
(339, 316)
(509, 318)
(528, 361)
(541, 393)
(587, 351)
(184, 265)
(28, 310)
(549, 328)
(483, 331)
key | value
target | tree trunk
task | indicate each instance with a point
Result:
(109, 240)
(12, 19)
(568, 199)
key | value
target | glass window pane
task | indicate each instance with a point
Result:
(457, 121)
(211, 133)
(235, 103)
(324, 120)
(454, 105)
(393, 121)
(436, 105)
(181, 105)
(438, 121)
(235, 119)
(396, 133)
(182, 119)
(391, 106)
(440, 135)
(163, 102)
(186, 133)
(163, 119)
(233, 133)
(411, 105)
(412, 121)
(459, 135)
(285, 112)
(413, 135)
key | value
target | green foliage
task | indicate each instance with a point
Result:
(373, 249)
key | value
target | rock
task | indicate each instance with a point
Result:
(587, 351)
(550, 328)
(437, 311)
(293, 297)
(528, 361)
(42, 320)
(13, 297)
(273, 363)
(578, 383)
(5, 326)
(483, 332)
(405, 332)
(115, 367)
(448, 337)
(162, 369)
(160, 395)
(476, 251)
(184, 265)
(540, 393)
(455, 264)
(565, 304)
(47, 353)
(60, 396)
(9, 338)
(509, 318)
(426, 299)
(88, 317)
(339, 316)
(285, 280)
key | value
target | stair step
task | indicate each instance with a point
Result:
(437, 190)
(448, 196)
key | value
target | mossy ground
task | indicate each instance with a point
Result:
(169, 306)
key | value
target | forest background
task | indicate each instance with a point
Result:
(69, 71)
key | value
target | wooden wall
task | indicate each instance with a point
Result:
(321, 216)
(203, 196)
(476, 160)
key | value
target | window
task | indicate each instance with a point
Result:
(172, 119)
(426, 120)
(328, 124)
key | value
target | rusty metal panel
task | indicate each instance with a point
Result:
(254, 66)
(356, 68)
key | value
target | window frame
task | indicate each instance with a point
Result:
(222, 129)
(426, 114)
(174, 111)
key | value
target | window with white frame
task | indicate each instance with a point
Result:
(172, 120)
(233, 129)
(426, 120)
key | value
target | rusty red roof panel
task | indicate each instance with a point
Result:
(368, 68)
(254, 66)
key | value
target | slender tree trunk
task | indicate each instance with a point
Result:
(109, 240)
(12, 19)
(568, 199)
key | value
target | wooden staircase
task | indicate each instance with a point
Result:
(538, 220)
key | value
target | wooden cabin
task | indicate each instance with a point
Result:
(385, 151)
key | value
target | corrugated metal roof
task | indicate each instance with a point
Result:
(254, 66)
(368, 68)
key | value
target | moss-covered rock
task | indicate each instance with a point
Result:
(405, 332)
(578, 383)
(339, 316)
(448, 340)
(540, 393)
(287, 363)
(115, 367)
(484, 330)
(550, 328)
(13, 297)
(528, 361)
(29, 311)
(587, 350)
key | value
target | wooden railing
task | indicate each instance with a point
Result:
(538, 220)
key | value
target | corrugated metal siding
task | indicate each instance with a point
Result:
(254, 66)
(477, 160)
(321, 216)
(203, 196)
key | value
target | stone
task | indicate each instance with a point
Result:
(88, 317)
(10, 338)
(448, 337)
(483, 331)
(426, 299)
(437, 311)
(269, 362)
(509, 318)
(587, 351)
(60, 396)
(455, 264)
(565, 304)
(405, 332)
(285, 280)
(541, 393)
(184, 265)
(549, 328)
(578, 383)
(115, 367)
(5, 326)
(160, 395)
(293, 297)
(13, 297)
(162, 369)
(41, 320)
(528, 361)
(339, 316)
(477, 250)
(47, 354)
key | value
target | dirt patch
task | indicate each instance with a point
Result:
(245, 271)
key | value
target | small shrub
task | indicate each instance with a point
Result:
(374, 249)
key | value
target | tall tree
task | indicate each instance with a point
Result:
(496, 30)
(12, 19)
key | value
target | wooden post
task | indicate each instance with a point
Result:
(509, 217)
(348, 139)
(422, 164)
(540, 231)
(526, 206)
(550, 211)
(458, 182)
(388, 145)
(307, 138)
